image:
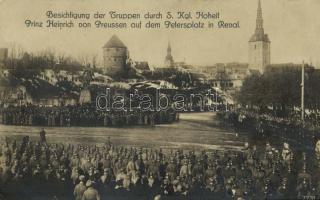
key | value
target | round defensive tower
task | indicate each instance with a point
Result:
(115, 55)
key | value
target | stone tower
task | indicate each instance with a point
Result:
(259, 45)
(169, 59)
(115, 55)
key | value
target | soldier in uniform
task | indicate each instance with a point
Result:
(167, 188)
(90, 193)
(198, 170)
(303, 188)
(209, 173)
(283, 191)
(171, 170)
(79, 189)
(317, 151)
(74, 175)
(43, 136)
(286, 153)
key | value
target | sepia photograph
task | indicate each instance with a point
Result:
(159, 99)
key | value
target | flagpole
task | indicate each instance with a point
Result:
(302, 93)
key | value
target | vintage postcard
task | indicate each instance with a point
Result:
(159, 99)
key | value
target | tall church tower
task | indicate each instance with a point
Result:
(169, 59)
(259, 45)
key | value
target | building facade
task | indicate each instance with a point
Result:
(115, 55)
(259, 45)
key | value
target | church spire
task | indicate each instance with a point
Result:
(259, 45)
(169, 59)
(169, 49)
(259, 22)
(259, 32)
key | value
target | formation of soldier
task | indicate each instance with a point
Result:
(272, 127)
(293, 119)
(83, 172)
(81, 115)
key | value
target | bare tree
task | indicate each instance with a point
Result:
(16, 51)
(94, 60)
(61, 58)
(49, 54)
(84, 59)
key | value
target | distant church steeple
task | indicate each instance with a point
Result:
(169, 59)
(259, 45)
(259, 21)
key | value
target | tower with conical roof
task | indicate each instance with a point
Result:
(259, 45)
(115, 55)
(169, 59)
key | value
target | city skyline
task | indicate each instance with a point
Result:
(293, 31)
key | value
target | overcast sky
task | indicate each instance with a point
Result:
(293, 27)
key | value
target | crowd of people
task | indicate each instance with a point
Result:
(41, 170)
(269, 125)
(80, 115)
(292, 118)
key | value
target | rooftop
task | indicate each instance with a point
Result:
(114, 42)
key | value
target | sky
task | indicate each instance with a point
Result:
(293, 27)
